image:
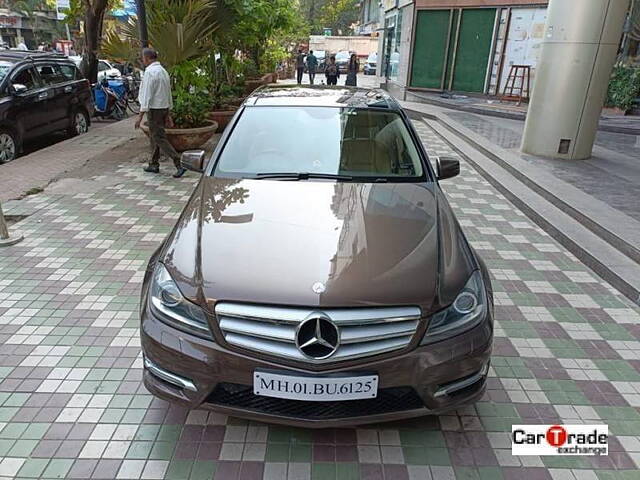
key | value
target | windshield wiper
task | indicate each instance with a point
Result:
(303, 176)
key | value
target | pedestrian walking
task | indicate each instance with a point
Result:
(22, 45)
(331, 71)
(299, 65)
(156, 102)
(312, 64)
(352, 71)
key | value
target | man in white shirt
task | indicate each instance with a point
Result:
(22, 45)
(156, 102)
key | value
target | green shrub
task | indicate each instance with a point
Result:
(624, 87)
(191, 95)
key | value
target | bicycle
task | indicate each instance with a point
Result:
(130, 97)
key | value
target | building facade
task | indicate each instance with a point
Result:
(16, 27)
(457, 45)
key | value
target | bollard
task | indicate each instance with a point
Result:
(5, 239)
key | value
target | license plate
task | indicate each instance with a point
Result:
(314, 389)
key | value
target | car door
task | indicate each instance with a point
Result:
(59, 94)
(29, 109)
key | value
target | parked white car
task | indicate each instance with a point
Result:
(105, 69)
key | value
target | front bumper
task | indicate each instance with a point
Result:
(427, 380)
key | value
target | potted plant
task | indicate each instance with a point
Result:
(225, 88)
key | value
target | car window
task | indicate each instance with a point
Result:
(50, 73)
(372, 58)
(27, 78)
(321, 140)
(5, 68)
(102, 66)
(342, 56)
(70, 72)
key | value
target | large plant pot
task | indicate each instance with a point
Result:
(222, 117)
(251, 84)
(188, 138)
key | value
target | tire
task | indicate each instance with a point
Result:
(8, 146)
(78, 123)
(133, 106)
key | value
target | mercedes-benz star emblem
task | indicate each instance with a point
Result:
(317, 337)
(318, 288)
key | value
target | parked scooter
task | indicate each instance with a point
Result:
(108, 95)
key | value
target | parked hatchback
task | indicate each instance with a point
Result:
(40, 93)
(317, 287)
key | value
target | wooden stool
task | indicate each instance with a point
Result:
(514, 91)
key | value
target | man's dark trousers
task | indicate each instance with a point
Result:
(157, 119)
(300, 72)
(312, 76)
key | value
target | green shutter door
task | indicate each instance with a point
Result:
(474, 48)
(429, 51)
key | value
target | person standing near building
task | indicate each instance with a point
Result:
(331, 71)
(156, 102)
(352, 72)
(299, 65)
(22, 45)
(312, 64)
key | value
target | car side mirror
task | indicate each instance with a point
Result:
(19, 88)
(447, 167)
(193, 160)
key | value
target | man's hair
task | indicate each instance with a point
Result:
(332, 57)
(150, 53)
(311, 52)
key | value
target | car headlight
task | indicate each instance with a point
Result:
(168, 304)
(467, 310)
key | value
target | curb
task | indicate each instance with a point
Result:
(504, 114)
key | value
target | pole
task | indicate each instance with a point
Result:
(142, 23)
(5, 239)
(577, 56)
(68, 32)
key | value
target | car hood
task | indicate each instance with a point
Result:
(269, 241)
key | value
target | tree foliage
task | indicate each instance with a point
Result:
(338, 15)
(264, 26)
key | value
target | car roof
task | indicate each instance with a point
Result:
(321, 96)
(16, 56)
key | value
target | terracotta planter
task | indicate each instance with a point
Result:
(251, 84)
(613, 111)
(188, 138)
(222, 117)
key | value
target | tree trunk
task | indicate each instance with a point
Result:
(93, 21)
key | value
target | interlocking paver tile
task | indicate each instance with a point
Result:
(567, 349)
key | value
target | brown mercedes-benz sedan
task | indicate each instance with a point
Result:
(317, 275)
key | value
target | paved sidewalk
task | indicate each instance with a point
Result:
(72, 405)
(38, 169)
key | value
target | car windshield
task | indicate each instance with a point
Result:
(303, 142)
(372, 58)
(4, 70)
(342, 56)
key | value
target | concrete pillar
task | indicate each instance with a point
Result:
(578, 53)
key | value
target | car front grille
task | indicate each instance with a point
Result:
(389, 400)
(272, 330)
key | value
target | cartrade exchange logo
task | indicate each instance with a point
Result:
(559, 440)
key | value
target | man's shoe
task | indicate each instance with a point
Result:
(181, 171)
(151, 169)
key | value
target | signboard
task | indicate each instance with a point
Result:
(10, 22)
(62, 5)
(326, 32)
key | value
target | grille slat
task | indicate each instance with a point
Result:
(272, 330)
(396, 399)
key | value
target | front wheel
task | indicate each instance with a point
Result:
(8, 146)
(79, 123)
